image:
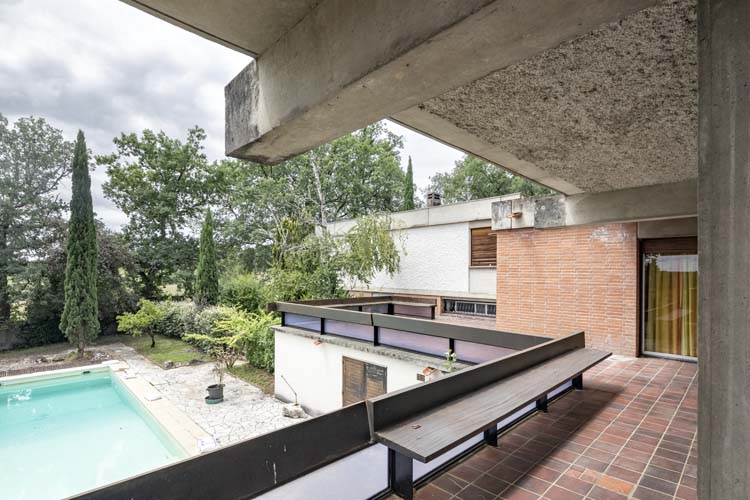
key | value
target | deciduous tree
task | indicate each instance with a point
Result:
(473, 179)
(34, 158)
(163, 185)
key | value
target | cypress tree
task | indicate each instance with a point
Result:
(409, 188)
(80, 321)
(207, 273)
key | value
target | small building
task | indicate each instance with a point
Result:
(449, 256)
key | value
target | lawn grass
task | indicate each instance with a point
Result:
(256, 376)
(166, 349)
(36, 351)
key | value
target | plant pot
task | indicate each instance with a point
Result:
(215, 391)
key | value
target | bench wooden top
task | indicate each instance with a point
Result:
(427, 435)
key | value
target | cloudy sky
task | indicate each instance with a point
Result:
(106, 68)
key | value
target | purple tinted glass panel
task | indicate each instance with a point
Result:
(353, 330)
(419, 311)
(479, 353)
(414, 341)
(360, 475)
(300, 321)
(376, 308)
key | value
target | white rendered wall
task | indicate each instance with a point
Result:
(315, 371)
(483, 281)
(436, 258)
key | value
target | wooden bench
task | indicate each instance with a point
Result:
(470, 402)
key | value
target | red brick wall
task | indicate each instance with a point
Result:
(554, 282)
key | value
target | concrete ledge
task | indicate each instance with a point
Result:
(187, 433)
(657, 202)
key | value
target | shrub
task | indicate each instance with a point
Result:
(254, 333)
(292, 285)
(142, 322)
(244, 291)
(177, 319)
(184, 317)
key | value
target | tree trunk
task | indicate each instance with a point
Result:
(153, 341)
(4, 278)
(319, 189)
(81, 342)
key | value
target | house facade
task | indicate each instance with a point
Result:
(632, 287)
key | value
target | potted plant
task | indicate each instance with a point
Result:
(225, 352)
(216, 391)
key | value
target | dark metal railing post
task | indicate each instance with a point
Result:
(541, 404)
(322, 326)
(490, 436)
(578, 382)
(376, 335)
(401, 474)
(283, 319)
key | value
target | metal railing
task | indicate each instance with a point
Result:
(334, 455)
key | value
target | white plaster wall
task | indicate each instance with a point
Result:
(482, 281)
(315, 371)
(436, 260)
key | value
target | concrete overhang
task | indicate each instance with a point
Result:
(578, 95)
(250, 27)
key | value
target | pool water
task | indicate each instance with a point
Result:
(66, 435)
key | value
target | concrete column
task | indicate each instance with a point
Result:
(724, 247)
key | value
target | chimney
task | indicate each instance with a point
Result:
(434, 199)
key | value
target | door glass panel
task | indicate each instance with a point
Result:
(671, 304)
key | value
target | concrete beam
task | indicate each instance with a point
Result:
(350, 63)
(724, 249)
(663, 201)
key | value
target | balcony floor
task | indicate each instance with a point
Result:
(631, 433)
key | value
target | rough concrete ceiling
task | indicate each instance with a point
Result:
(613, 109)
(249, 26)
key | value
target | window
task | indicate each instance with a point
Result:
(670, 297)
(361, 380)
(470, 308)
(483, 247)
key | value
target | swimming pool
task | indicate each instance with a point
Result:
(70, 433)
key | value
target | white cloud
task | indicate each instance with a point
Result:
(106, 68)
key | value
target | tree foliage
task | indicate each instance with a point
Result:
(473, 179)
(34, 158)
(163, 185)
(207, 272)
(267, 210)
(369, 248)
(80, 317)
(142, 322)
(409, 187)
(116, 287)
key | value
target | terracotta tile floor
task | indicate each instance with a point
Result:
(631, 433)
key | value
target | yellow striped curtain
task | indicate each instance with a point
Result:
(672, 304)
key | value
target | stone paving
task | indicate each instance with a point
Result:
(246, 411)
(631, 433)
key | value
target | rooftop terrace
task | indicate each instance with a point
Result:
(631, 433)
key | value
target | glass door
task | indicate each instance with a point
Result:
(670, 298)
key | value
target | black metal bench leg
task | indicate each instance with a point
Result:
(541, 404)
(401, 474)
(490, 436)
(578, 382)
